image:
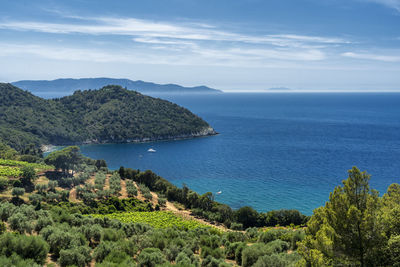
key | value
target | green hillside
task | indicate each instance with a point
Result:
(111, 114)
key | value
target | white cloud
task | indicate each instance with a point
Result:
(142, 30)
(370, 56)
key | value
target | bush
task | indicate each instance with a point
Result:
(238, 253)
(102, 251)
(27, 247)
(2, 227)
(77, 256)
(3, 183)
(17, 191)
(15, 261)
(278, 260)
(236, 226)
(62, 239)
(19, 222)
(150, 257)
(251, 254)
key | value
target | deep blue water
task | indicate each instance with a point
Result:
(275, 151)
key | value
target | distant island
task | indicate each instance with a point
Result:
(279, 89)
(111, 114)
(63, 87)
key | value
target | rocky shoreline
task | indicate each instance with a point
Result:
(203, 133)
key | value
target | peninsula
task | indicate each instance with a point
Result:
(111, 114)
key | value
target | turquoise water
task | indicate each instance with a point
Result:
(275, 151)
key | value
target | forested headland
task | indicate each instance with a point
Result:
(108, 115)
(70, 210)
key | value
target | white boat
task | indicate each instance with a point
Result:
(219, 192)
(151, 150)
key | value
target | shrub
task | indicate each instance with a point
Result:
(278, 260)
(236, 226)
(19, 222)
(27, 247)
(17, 191)
(238, 252)
(3, 183)
(150, 257)
(2, 228)
(247, 216)
(17, 261)
(77, 256)
(251, 254)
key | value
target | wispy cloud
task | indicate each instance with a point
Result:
(142, 30)
(389, 3)
(170, 43)
(370, 56)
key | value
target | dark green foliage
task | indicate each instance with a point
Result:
(131, 189)
(28, 174)
(278, 260)
(16, 261)
(27, 247)
(150, 257)
(18, 191)
(251, 254)
(2, 227)
(238, 252)
(65, 159)
(283, 218)
(236, 226)
(3, 183)
(356, 227)
(115, 184)
(210, 261)
(247, 216)
(62, 239)
(20, 222)
(77, 256)
(6, 152)
(111, 114)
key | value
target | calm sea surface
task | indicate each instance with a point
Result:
(275, 151)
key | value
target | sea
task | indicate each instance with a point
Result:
(274, 150)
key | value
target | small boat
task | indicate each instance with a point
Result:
(151, 150)
(219, 192)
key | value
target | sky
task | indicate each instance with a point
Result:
(233, 45)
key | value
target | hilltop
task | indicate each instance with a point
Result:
(63, 87)
(111, 114)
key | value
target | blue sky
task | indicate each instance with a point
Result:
(243, 45)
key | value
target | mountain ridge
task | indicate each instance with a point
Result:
(65, 86)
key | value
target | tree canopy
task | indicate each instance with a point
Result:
(356, 227)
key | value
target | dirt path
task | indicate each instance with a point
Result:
(123, 192)
(186, 214)
(107, 183)
(154, 198)
(90, 180)
(72, 195)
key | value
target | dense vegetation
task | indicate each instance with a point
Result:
(41, 222)
(111, 114)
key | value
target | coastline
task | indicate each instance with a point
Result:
(46, 148)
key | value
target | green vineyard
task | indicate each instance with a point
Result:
(156, 219)
(10, 171)
(16, 163)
